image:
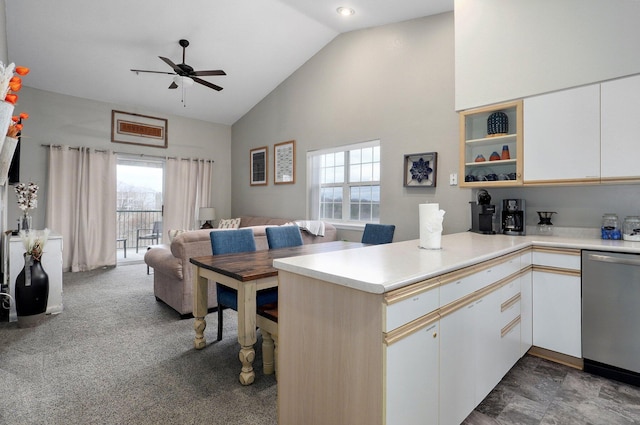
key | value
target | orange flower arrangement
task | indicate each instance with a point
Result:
(11, 83)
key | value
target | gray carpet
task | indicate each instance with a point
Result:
(117, 356)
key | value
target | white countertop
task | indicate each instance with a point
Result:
(382, 268)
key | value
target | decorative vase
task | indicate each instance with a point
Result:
(32, 292)
(26, 222)
(497, 124)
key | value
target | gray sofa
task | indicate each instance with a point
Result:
(173, 273)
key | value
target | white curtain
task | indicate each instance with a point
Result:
(187, 188)
(81, 201)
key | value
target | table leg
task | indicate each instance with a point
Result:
(200, 303)
(247, 330)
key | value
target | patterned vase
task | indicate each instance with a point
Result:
(32, 292)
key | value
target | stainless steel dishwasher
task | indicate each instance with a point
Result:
(611, 315)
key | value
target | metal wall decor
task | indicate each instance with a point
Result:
(258, 166)
(420, 169)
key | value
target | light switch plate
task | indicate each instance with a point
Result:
(453, 179)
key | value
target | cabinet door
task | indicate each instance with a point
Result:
(412, 378)
(489, 371)
(526, 313)
(457, 365)
(562, 136)
(557, 312)
(620, 144)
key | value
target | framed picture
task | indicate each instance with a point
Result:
(420, 169)
(258, 166)
(136, 129)
(284, 162)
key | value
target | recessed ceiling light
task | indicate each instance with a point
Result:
(345, 11)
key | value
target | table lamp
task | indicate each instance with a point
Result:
(206, 215)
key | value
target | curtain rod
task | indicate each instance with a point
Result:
(77, 148)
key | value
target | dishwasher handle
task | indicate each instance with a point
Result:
(612, 259)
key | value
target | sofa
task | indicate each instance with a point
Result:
(173, 273)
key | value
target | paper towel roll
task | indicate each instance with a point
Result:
(431, 217)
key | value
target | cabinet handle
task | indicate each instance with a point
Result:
(435, 334)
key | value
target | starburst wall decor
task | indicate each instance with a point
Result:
(420, 169)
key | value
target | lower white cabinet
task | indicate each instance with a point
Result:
(557, 312)
(526, 311)
(412, 377)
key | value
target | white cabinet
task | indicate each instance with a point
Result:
(412, 376)
(526, 312)
(562, 136)
(51, 263)
(487, 345)
(557, 303)
(620, 129)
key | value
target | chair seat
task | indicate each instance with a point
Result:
(229, 297)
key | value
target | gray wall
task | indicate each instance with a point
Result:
(59, 119)
(393, 83)
(513, 49)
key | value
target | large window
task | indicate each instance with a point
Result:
(344, 183)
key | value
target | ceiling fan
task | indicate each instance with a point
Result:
(185, 71)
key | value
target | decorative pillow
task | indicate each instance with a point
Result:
(229, 223)
(174, 233)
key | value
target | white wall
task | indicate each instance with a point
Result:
(393, 83)
(59, 119)
(513, 49)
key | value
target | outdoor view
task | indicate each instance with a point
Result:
(139, 202)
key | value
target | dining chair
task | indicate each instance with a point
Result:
(283, 236)
(231, 242)
(154, 235)
(376, 234)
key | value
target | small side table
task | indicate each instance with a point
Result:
(124, 241)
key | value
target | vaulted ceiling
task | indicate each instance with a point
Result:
(87, 49)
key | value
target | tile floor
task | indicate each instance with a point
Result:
(537, 391)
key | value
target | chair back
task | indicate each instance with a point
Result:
(376, 234)
(157, 228)
(232, 241)
(283, 236)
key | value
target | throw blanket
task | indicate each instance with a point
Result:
(315, 227)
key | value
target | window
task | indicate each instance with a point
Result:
(344, 183)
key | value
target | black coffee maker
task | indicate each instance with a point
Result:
(513, 219)
(482, 214)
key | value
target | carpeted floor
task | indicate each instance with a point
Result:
(117, 356)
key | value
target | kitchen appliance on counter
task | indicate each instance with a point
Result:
(544, 225)
(482, 213)
(610, 315)
(513, 218)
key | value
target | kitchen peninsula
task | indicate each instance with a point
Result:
(395, 334)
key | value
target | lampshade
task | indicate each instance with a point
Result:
(206, 214)
(183, 81)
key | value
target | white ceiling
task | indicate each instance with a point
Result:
(87, 48)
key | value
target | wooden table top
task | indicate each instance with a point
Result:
(246, 266)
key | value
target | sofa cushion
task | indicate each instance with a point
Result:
(173, 233)
(229, 223)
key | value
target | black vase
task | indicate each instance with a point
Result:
(32, 293)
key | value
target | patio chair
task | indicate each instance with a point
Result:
(154, 234)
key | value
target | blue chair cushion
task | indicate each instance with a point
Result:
(232, 241)
(228, 297)
(283, 236)
(376, 234)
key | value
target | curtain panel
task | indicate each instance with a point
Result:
(188, 185)
(81, 200)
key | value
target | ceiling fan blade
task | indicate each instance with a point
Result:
(206, 83)
(207, 73)
(154, 72)
(175, 67)
(173, 85)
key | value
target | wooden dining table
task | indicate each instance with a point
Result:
(246, 272)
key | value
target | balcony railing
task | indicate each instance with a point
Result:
(128, 221)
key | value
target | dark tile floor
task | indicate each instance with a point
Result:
(537, 391)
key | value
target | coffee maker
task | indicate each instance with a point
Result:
(513, 218)
(482, 213)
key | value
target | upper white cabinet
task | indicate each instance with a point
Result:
(620, 129)
(562, 137)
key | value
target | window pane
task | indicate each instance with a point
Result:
(339, 174)
(329, 160)
(365, 212)
(376, 171)
(367, 155)
(355, 211)
(339, 158)
(337, 194)
(355, 194)
(376, 153)
(337, 211)
(365, 194)
(354, 156)
(375, 212)
(367, 172)
(354, 173)
(375, 193)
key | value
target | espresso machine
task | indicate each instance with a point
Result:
(512, 217)
(482, 213)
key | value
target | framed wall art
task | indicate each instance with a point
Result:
(258, 166)
(136, 129)
(420, 169)
(284, 162)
